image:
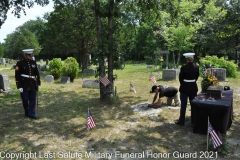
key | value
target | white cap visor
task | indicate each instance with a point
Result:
(188, 55)
(28, 51)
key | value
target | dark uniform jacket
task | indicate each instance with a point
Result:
(189, 72)
(27, 67)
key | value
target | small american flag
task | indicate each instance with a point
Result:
(104, 80)
(82, 80)
(132, 88)
(152, 78)
(216, 140)
(90, 121)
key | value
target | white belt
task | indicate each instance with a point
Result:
(187, 80)
(27, 76)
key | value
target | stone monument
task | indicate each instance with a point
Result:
(169, 74)
(4, 82)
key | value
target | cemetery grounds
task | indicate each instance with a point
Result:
(60, 131)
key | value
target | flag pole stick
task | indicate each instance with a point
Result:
(207, 133)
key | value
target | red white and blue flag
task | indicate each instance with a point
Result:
(132, 88)
(215, 139)
(90, 121)
(104, 80)
(152, 78)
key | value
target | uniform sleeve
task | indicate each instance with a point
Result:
(18, 75)
(37, 75)
(180, 77)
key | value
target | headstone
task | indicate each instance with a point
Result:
(49, 78)
(65, 79)
(2, 61)
(91, 84)
(39, 68)
(41, 60)
(89, 71)
(177, 72)
(149, 66)
(4, 82)
(169, 74)
(47, 61)
(219, 73)
(43, 68)
(60, 59)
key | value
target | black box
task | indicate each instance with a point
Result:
(215, 91)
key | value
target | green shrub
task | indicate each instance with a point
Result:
(70, 68)
(55, 66)
(231, 68)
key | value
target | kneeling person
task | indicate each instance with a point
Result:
(169, 92)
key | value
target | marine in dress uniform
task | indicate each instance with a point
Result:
(27, 81)
(188, 87)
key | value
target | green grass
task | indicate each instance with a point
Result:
(62, 113)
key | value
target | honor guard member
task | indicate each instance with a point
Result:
(188, 87)
(27, 81)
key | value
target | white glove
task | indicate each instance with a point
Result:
(20, 90)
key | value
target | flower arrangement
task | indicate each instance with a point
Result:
(208, 79)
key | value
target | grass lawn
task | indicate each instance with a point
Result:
(60, 130)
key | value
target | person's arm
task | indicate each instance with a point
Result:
(159, 102)
(155, 97)
(18, 75)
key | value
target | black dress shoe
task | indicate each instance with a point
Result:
(32, 117)
(178, 123)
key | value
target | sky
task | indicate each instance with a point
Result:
(13, 22)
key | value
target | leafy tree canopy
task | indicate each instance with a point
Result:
(18, 7)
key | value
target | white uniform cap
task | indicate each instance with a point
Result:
(188, 55)
(28, 51)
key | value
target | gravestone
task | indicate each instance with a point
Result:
(2, 61)
(39, 68)
(49, 78)
(65, 79)
(60, 59)
(149, 66)
(4, 82)
(177, 72)
(43, 68)
(47, 61)
(89, 71)
(41, 60)
(219, 73)
(91, 84)
(169, 74)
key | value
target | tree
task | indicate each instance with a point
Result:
(16, 42)
(70, 32)
(18, 7)
(1, 50)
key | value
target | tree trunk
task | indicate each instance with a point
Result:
(174, 62)
(110, 47)
(178, 59)
(100, 45)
